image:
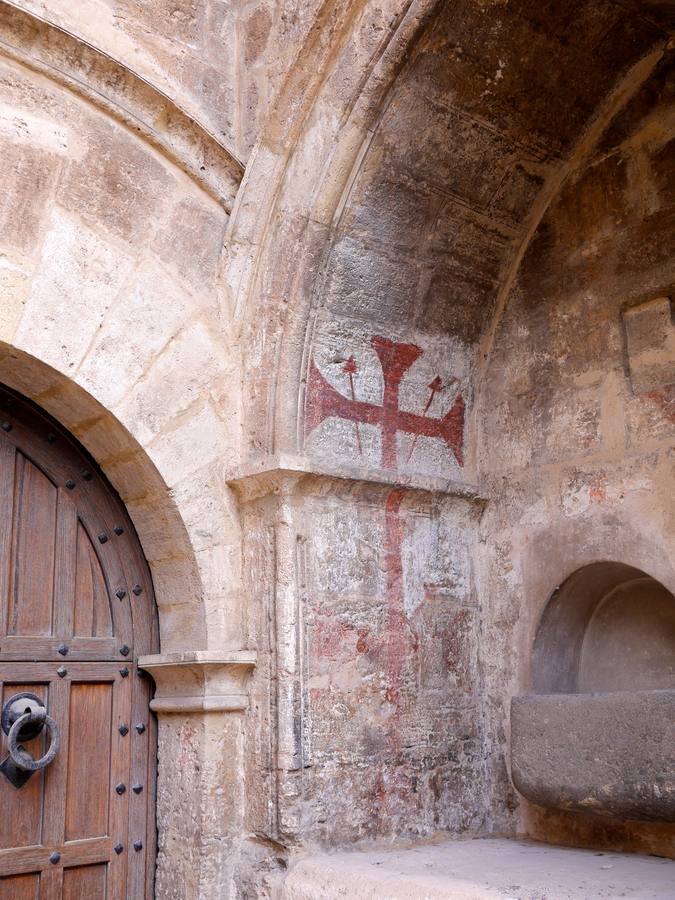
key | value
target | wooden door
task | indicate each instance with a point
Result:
(76, 611)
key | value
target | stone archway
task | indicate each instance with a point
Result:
(200, 693)
(116, 206)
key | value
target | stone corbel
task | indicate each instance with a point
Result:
(200, 680)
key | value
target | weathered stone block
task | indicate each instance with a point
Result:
(610, 754)
(28, 176)
(650, 339)
(78, 278)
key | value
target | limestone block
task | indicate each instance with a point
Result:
(390, 210)
(566, 426)
(28, 175)
(79, 276)
(15, 278)
(483, 869)
(199, 680)
(197, 440)
(207, 508)
(178, 377)
(139, 325)
(611, 754)
(179, 622)
(199, 800)
(192, 241)
(121, 184)
(371, 284)
(650, 339)
(455, 302)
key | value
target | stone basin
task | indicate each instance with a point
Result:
(612, 754)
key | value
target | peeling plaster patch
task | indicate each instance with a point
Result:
(418, 550)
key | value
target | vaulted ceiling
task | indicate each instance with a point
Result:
(493, 102)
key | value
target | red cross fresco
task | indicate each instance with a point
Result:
(324, 401)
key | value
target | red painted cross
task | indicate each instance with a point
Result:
(323, 401)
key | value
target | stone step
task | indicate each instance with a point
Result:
(480, 869)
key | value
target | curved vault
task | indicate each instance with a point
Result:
(124, 95)
(444, 162)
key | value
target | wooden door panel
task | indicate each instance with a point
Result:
(21, 649)
(31, 590)
(37, 859)
(76, 609)
(89, 746)
(63, 576)
(85, 883)
(64, 565)
(21, 817)
(93, 616)
(20, 887)
(73, 807)
(7, 464)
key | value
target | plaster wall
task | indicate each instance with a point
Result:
(365, 718)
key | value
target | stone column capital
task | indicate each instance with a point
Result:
(200, 680)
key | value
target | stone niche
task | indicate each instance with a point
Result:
(597, 735)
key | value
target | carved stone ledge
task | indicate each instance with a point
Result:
(279, 473)
(200, 680)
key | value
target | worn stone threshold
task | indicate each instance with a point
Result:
(480, 869)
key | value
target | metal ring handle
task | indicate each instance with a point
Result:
(20, 756)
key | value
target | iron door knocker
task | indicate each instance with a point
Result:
(23, 718)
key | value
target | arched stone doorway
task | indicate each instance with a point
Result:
(77, 609)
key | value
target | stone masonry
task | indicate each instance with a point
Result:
(366, 311)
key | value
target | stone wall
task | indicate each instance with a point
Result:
(365, 310)
(439, 205)
(577, 415)
(110, 319)
(365, 720)
(220, 61)
(108, 270)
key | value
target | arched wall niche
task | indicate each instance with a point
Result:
(296, 181)
(604, 672)
(317, 181)
(575, 436)
(608, 627)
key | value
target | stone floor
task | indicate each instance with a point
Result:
(487, 869)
